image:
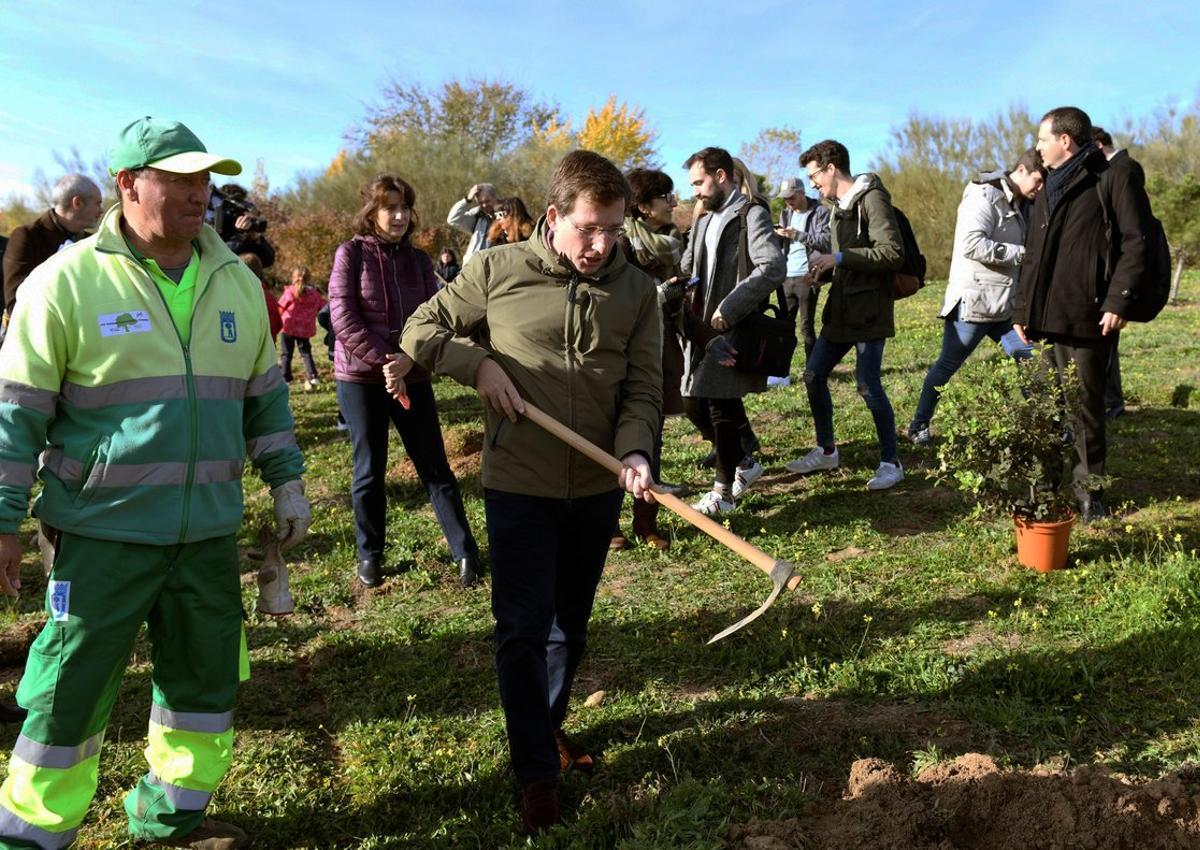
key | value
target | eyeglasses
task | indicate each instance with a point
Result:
(671, 198)
(501, 213)
(813, 175)
(590, 233)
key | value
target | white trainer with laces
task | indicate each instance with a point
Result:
(815, 461)
(887, 475)
(713, 503)
(749, 472)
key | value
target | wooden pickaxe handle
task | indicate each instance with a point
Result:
(710, 527)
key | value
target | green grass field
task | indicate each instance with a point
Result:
(372, 719)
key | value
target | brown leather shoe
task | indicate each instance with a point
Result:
(619, 541)
(209, 835)
(571, 756)
(539, 806)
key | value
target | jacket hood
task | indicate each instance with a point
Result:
(555, 265)
(863, 183)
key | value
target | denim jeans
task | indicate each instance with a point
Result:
(959, 339)
(867, 365)
(290, 344)
(547, 556)
(369, 410)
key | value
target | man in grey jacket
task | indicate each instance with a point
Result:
(804, 229)
(473, 215)
(989, 244)
(712, 389)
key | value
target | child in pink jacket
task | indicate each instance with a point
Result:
(298, 307)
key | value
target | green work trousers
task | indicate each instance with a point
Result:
(99, 594)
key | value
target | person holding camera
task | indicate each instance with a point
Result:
(236, 218)
(379, 279)
(474, 215)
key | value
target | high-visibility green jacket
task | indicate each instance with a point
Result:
(142, 439)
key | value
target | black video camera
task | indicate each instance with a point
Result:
(228, 204)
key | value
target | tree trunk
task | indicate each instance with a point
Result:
(1178, 277)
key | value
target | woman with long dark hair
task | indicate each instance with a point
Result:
(379, 279)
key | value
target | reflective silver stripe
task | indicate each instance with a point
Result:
(12, 826)
(66, 468)
(181, 798)
(215, 387)
(191, 721)
(264, 383)
(133, 391)
(142, 474)
(271, 443)
(23, 395)
(44, 755)
(16, 474)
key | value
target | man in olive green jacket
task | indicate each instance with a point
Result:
(859, 311)
(563, 321)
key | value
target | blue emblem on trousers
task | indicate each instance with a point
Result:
(228, 326)
(60, 600)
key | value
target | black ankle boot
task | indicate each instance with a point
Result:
(369, 572)
(469, 571)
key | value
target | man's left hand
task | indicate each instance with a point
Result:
(635, 476)
(245, 221)
(818, 264)
(1111, 323)
(718, 322)
(293, 516)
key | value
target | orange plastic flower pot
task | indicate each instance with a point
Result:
(1043, 545)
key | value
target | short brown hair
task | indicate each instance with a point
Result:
(374, 196)
(255, 264)
(646, 184)
(586, 173)
(825, 152)
(1032, 160)
(712, 160)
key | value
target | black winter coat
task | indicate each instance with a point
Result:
(1063, 290)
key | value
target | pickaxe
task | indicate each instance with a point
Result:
(782, 573)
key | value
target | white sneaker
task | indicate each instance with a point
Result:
(749, 472)
(887, 475)
(313, 383)
(713, 504)
(815, 461)
(776, 381)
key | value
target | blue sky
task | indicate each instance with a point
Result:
(282, 81)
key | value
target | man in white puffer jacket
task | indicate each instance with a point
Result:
(989, 245)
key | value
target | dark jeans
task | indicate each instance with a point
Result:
(867, 365)
(368, 409)
(546, 556)
(724, 422)
(290, 344)
(1114, 394)
(802, 299)
(1091, 366)
(959, 339)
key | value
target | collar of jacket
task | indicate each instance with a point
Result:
(213, 252)
(387, 246)
(863, 183)
(554, 265)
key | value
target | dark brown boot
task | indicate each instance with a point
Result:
(645, 525)
(539, 806)
(571, 756)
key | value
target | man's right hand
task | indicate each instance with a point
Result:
(497, 390)
(472, 193)
(10, 564)
(1020, 329)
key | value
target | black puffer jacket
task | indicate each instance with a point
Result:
(1064, 289)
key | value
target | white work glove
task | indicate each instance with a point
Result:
(274, 594)
(45, 537)
(292, 513)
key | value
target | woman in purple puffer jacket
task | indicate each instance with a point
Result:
(379, 279)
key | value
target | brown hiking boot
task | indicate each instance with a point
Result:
(209, 835)
(539, 806)
(619, 541)
(571, 756)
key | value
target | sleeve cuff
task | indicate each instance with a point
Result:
(837, 258)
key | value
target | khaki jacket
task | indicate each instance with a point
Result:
(586, 350)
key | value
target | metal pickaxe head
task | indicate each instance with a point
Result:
(780, 573)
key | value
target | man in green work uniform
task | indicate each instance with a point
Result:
(139, 365)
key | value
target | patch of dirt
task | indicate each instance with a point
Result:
(15, 641)
(843, 554)
(464, 450)
(979, 636)
(970, 802)
(823, 722)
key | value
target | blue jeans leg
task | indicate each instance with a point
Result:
(547, 556)
(825, 355)
(868, 366)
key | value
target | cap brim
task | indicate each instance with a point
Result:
(195, 161)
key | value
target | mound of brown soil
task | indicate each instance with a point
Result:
(972, 803)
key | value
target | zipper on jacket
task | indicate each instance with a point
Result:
(193, 406)
(570, 355)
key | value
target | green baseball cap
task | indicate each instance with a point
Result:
(167, 146)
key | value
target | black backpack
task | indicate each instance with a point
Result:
(1155, 289)
(910, 277)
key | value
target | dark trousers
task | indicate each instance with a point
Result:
(724, 422)
(1091, 367)
(546, 557)
(1114, 394)
(290, 344)
(368, 410)
(802, 300)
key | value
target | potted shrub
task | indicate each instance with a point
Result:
(1006, 439)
